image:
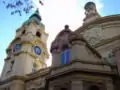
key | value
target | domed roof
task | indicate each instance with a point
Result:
(36, 14)
(61, 40)
(88, 4)
(65, 30)
(34, 17)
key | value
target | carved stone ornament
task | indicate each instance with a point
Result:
(111, 59)
(94, 35)
(90, 9)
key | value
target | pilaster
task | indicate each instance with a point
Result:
(77, 85)
(109, 85)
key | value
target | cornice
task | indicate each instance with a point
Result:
(22, 78)
(98, 21)
(106, 41)
(73, 70)
(24, 52)
(31, 76)
(38, 74)
(27, 42)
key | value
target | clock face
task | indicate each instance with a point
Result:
(16, 48)
(37, 50)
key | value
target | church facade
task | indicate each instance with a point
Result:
(85, 59)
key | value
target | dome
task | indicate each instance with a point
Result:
(61, 40)
(66, 30)
(34, 17)
(89, 4)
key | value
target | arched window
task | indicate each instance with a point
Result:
(17, 48)
(94, 87)
(65, 56)
(38, 34)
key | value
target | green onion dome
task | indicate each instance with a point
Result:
(34, 17)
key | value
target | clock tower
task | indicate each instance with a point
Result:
(28, 51)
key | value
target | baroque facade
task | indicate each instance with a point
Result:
(84, 59)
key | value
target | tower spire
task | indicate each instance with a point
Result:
(36, 15)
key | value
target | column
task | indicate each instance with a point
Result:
(77, 85)
(109, 85)
(17, 85)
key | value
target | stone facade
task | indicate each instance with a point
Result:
(86, 59)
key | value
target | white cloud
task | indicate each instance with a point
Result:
(57, 13)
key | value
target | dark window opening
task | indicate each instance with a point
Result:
(32, 89)
(94, 87)
(65, 46)
(23, 32)
(63, 89)
(38, 34)
(7, 88)
(17, 48)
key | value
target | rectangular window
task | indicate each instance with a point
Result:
(65, 56)
(33, 69)
(34, 66)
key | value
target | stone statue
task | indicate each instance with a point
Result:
(90, 12)
(90, 9)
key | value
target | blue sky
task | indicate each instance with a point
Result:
(55, 14)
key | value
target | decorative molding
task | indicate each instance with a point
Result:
(99, 21)
(106, 41)
(22, 78)
(93, 35)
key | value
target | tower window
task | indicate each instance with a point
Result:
(34, 67)
(17, 48)
(38, 34)
(94, 87)
(23, 32)
(63, 89)
(65, 56)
